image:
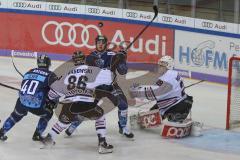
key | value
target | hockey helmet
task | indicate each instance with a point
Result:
(166, 61)
(78, 58)
(43, 61)
(101, 43)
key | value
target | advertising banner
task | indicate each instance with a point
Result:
(138, 15)
(3, 4)
(103, 11)
(27, 5)
(216, 26)
(176, 20)
(204, 53)
(65, 35)
(65, 8)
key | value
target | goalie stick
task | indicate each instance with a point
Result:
(193, 84)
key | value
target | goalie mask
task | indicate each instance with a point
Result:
(78, 58)
(101, 43)
(166, 61)
(43, 61)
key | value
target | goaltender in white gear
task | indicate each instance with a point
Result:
(172, 102)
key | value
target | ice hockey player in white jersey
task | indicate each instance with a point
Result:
(104, 58)
(79, 90)
(171, 100)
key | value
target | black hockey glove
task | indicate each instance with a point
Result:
(116, 60)
(50, 104)
(123, 52)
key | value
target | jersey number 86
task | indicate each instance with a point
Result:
(79, 83)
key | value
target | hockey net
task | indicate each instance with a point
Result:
(233, 100)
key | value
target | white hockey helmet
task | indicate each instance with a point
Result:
(166, 61)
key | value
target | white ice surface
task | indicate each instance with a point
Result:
(209, 107)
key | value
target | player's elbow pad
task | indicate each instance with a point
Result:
(53, 96)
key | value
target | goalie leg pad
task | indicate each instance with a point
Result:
(150, 119)
(176, 130)
(197, 128)
(134, 124)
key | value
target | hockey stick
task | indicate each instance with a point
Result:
(10, 87)
(22, 55)
(15, 66)
(155, 9)
(193, 84)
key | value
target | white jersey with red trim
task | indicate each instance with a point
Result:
(79, 83)
(168, 90)
(174, 95)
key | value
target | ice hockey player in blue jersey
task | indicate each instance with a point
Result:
(103, 58)
(33, 98)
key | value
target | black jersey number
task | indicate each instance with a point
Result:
(80, 82)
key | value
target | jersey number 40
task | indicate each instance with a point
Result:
(29, 87)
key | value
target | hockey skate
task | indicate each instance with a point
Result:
(48, 140)
(2, 136)
(68, 133)
(103, 147)
(37, 136)
(125, 132)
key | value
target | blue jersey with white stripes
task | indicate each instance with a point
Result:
(35, 87)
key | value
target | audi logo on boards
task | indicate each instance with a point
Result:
(131, 14)
(19, 4)
(207, 24)
(94, 10)
(26, 5)
(72, 34)
(167, 19)
(55, 7)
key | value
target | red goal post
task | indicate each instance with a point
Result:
(233, 96)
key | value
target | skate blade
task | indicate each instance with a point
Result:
(126, 138)
(47, 146)
(105, 151)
